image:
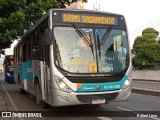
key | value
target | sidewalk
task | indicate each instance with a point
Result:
(2, 100)
(146, 84)
(147, 87)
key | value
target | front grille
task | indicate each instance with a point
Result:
(88, 98)
(94, 79)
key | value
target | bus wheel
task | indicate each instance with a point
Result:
(37, 93)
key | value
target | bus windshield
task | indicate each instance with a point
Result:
(74, 53)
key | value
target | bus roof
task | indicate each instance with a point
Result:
(84, 10)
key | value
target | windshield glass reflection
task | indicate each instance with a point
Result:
(113, 53)
(72, 52)
(86, 50)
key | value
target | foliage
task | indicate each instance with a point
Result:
(18, 15)
(146, 50)
(151, 32)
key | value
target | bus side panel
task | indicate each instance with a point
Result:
(17, 72)
(24, 75)
(33, 72)
(30, 74)
(29, 70)
(24, 71)
(36, 68)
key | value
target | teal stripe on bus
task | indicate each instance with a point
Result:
(95, 87)
(24, 71)
(29, 70)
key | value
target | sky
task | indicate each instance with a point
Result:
(139, 14)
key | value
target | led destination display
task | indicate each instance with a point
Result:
(91, 19)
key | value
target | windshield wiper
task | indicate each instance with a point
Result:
(105, 36)
(103, 39)
(86, 40)
(82, 35)
(99, 46)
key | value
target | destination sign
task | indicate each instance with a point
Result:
(91, 19)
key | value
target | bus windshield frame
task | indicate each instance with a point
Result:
(94, 60)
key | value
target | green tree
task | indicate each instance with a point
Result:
(12, 18)
(146, 50)
(18, 15)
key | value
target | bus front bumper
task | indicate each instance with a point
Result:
(61, 98)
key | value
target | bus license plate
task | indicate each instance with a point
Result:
(98, 101)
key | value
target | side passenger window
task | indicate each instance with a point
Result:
(35, 48)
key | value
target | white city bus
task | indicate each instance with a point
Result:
(75, 57)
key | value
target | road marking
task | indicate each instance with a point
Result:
(12, 102)
(136, 113)
(127, 110)
(104, 118)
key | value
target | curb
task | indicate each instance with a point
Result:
(146, 80)
(146, 91)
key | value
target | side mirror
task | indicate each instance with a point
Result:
(48, 37)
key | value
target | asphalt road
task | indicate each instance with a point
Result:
(136, 105)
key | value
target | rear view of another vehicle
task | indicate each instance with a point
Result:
(9, 74)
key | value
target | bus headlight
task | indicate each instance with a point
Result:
(127, 83)
(8, 74)
(62, 86)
